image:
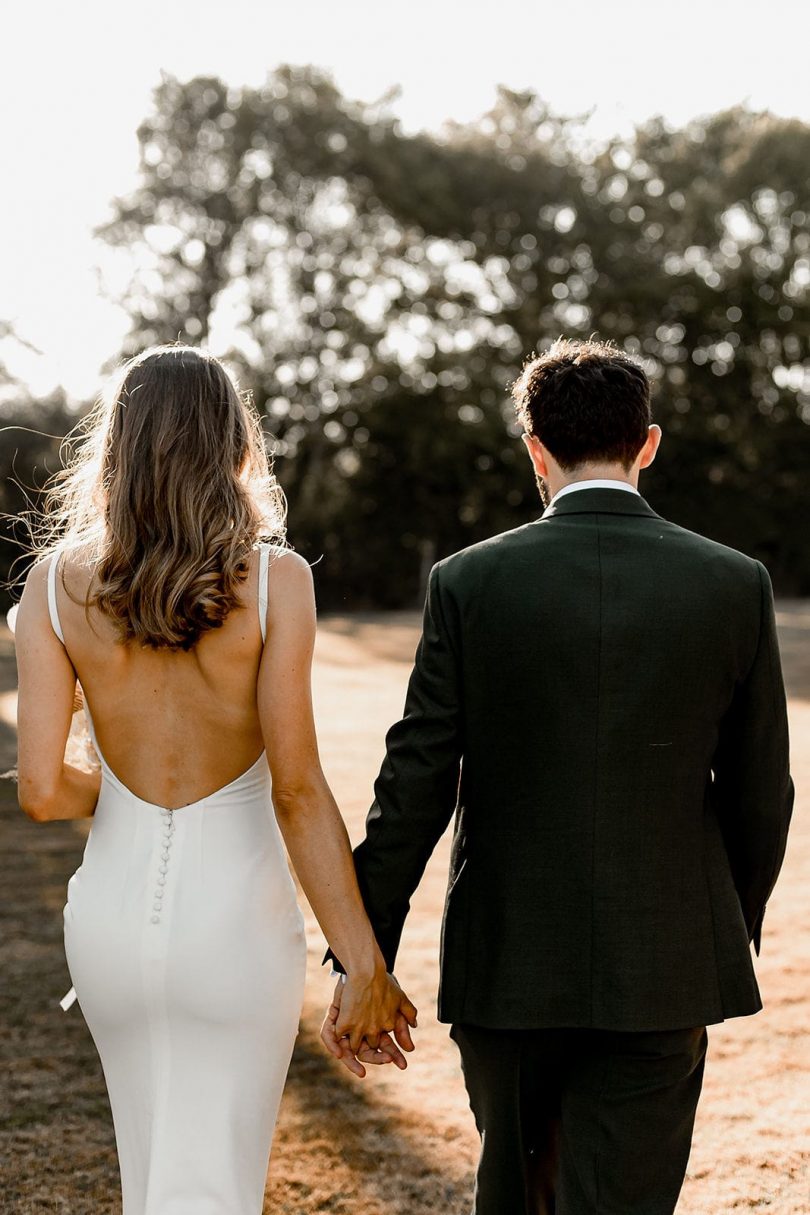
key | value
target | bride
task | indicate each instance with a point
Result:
(171, 597)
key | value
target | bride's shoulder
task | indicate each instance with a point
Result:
(275, 551)
(77, 567)
(73, 568)
(33, 605)
(289, 574)
(35, 582)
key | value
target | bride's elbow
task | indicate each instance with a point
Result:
(37, 801)
(292, 798)
(286, 801)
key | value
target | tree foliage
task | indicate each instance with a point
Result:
(31, 434)
(378, 291)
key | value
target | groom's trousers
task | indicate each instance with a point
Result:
(581, 1121)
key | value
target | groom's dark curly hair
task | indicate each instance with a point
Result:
(586, 401)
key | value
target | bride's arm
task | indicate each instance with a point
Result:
(308, 816)
(48, 788)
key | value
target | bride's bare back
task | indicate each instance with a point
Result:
(173, 725)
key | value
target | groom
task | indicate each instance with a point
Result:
(598, 698)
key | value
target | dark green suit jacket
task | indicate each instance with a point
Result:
(598, 698)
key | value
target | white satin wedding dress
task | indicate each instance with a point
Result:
(186, 949)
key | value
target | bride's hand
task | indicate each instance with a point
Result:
(371, 1006)
(386, 1052)
(364, 1014)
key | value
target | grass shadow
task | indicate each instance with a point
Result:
(363, 1156)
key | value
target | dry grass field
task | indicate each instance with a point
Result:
(399, 1144)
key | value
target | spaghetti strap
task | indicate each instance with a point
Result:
(264, 554)
(53, 609)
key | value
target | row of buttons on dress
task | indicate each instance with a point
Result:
(163, 868)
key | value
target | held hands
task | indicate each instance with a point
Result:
(361, 1019)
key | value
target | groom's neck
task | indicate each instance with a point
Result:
(558, 479)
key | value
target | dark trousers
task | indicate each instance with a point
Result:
(581, 1121)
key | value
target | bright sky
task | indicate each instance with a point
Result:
(75, 80)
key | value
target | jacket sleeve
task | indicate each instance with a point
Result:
(753, 791)
(417, 789)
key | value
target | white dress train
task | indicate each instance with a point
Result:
(186, 949)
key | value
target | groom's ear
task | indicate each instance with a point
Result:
(650, 448)
(537, 454)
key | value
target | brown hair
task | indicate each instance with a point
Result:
(166, 490)
(586, 401)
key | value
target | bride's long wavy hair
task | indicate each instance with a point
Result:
(166, 489)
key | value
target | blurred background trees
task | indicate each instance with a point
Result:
(31, 430)
(378, 291)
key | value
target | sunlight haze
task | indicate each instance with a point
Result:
(76, 82)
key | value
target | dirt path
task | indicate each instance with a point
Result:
(397, 1144)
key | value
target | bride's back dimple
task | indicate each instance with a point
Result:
(174, 726)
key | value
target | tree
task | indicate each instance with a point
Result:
(378, 292)
(31, 433)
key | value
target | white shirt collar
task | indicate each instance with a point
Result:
(597, 484)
